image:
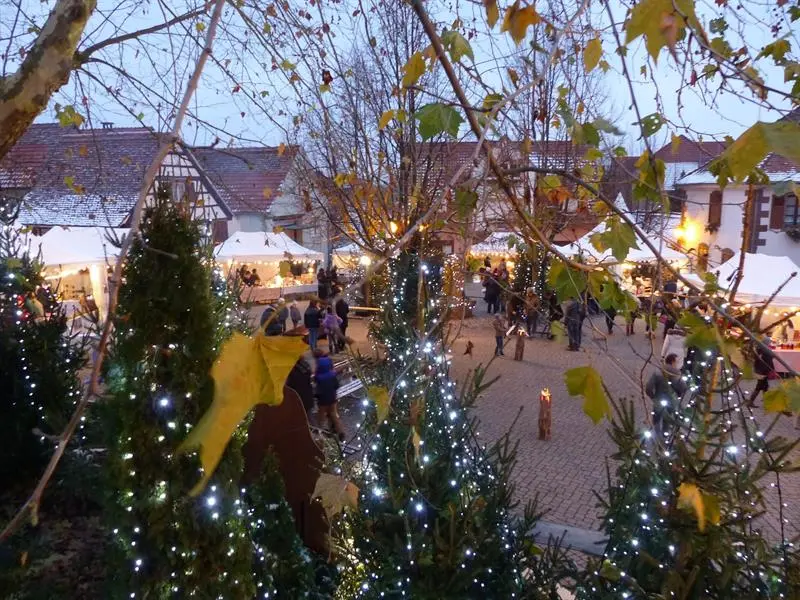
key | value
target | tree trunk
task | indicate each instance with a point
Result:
(47, 67)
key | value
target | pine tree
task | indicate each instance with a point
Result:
(39, 364)
(435, 515)
(166, 340)
(681, 511)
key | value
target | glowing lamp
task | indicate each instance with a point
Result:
(365, 260)
(393, 227)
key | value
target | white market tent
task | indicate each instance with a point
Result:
(761, 276)
(256, 246)
(349, 257)
(68, 253)
(496, 244)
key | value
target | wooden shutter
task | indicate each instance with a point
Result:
(776, 214)
(220, 230)
(715, 209)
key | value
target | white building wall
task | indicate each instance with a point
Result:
(729, 234)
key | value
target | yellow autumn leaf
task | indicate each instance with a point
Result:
(705, 506)
(592, 54)
(335, 493)
(675, 143)
(267, 193)
(492, 13)
(413, 69)
(517, 20)
(380, 395)
(416, 441)
(281, 149)
(249, 371)
(386, 117)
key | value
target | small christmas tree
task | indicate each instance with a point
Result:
(39, 364)
(167, 336)
(681, 510)
(435, 516)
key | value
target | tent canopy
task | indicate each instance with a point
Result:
(76, 246)
(761, 276)
(642, 254)
(251, 246)
(496, 243)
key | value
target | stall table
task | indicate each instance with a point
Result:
(260, 294)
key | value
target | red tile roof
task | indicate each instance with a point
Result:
(108, 164)
(690, 151)
(248, 179)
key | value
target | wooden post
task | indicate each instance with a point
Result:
(545, 416)
(519, 348)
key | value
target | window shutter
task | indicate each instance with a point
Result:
(776, 214)
(715, 209)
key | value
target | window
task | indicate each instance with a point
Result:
(790, 212)
(702, 257)
(715, 209)
(220, 230)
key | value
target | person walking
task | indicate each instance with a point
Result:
(574, 314)
(327, 383)
(342, 309)
(283, 314)
(492, 293)
(674, 343)
(665, 388)
(312, 319)
(499, 334)
(331, 325)
(610, 314)
(764, 368)
(294, 314)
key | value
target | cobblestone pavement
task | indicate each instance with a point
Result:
(566, 471)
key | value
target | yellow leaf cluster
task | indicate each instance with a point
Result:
(380, 396)
(249, 371)
(335, 493)
(413, 69)
(705, 506)
(517, 20)
(492, 13)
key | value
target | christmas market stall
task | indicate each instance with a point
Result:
(495, 248)
(76, 262)
(272, 265)
(349, 258)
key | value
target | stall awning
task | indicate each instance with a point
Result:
(76, 246)
(252, 246)
(762, 275)
(495, 244)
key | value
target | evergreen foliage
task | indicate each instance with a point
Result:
(435, 516)
(682, 512)
(39, 364)
(159, 385)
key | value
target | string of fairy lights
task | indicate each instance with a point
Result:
(420, 371)
(648, 535)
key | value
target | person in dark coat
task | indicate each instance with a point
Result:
(312, 320)
(294, 313)
(492, 294)
(326, 385)
(665, 388)
(574, 313)
(323, 285)
(270, 321)
(763, 366)
(342, 309)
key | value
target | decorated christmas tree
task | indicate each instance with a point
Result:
(39, 364)
(435, 514)
(682, 509)
(159, 384)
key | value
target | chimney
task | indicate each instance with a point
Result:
(108, 125)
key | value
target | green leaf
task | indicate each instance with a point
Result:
(651, 124)
(67, 115)
(438, 118)
(606, 126)
(660, 23)
(744, 155)
(586, 382)
(413, 69)
(287, 65)
(609, 571)
(492, 100)
(456, 45)
(466, 201)
(565, 281)
(620, 151)
(785, 397)
(590, 135)
(618, 237)
(592, 54)
(700, 332)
